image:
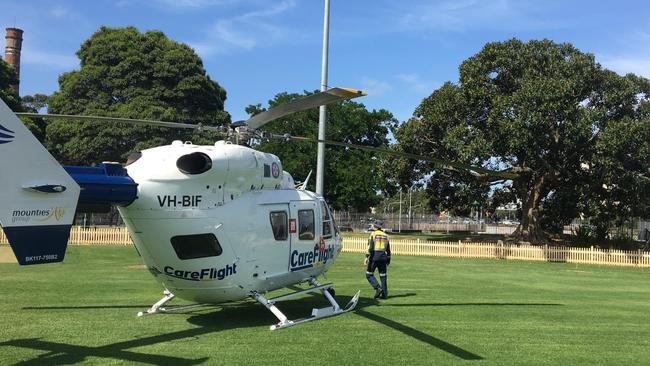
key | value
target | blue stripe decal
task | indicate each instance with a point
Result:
(3, 135)
(3, 128)
(5, 142)
(301, 267)
(38, 244)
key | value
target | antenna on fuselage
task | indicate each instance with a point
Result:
(303, 185)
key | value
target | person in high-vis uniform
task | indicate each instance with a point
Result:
(378, 257)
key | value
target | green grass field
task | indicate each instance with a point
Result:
(442, 311)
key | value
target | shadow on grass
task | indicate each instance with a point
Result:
(64, 354)
(86, 307)
(241, 314)
(367, 302)
(421, 336)
(416, 334)
(230, 316)
(434, 304)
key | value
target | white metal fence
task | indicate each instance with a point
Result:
(460, 249)
(94, 235)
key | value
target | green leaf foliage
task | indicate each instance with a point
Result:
(7, 93)
(352, 177)
(125, 73)
(620, 187)
(541, 109)
(14, 102)
(35, 102)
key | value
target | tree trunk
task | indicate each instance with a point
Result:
(529, 229)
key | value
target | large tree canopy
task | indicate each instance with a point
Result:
(125, 73)
(352, 177)
(546, 111)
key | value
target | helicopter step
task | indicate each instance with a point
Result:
(167, 296)
(325, 289)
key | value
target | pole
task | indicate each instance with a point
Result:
(410, 217)
(399, 226)
(322, 117)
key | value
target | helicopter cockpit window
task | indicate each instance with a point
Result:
(194, 163)
(327, 220)
(306, 224)
(196, 246)
(279, 224)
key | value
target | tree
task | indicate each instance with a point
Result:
(535, 108)
(35, 102)
(620, 167)
(7, 79)
(352, 177)
(14, 102)
(125, 73)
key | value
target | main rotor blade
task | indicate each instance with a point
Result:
(199, 126)
(310, 101)
(442, 163)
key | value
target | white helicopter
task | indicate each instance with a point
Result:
(212, 223)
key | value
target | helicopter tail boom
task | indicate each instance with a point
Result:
(38, 198)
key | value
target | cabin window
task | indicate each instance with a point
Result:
(327, 220)
(279, 224)
(194, 163)
(196, 246)
(306, 225)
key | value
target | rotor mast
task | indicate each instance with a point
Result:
(322, 118)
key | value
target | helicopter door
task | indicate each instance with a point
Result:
(304, 235)
(275, 254)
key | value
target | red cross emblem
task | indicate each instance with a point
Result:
(275, 170)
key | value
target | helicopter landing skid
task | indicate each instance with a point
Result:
(285, 322)
(167, 296)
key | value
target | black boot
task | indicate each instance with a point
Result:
(384, 286)
(379, 293)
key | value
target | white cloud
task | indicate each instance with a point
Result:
(245, 31)
(203, 49)
(60, 12)
(418, 85)
(198, 4)
(375, 87)
(54, 60)
(632, 57)
(637, 64)
(462, 15)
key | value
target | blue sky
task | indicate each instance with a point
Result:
(398, 51)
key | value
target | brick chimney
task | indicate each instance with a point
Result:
(14, 42)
